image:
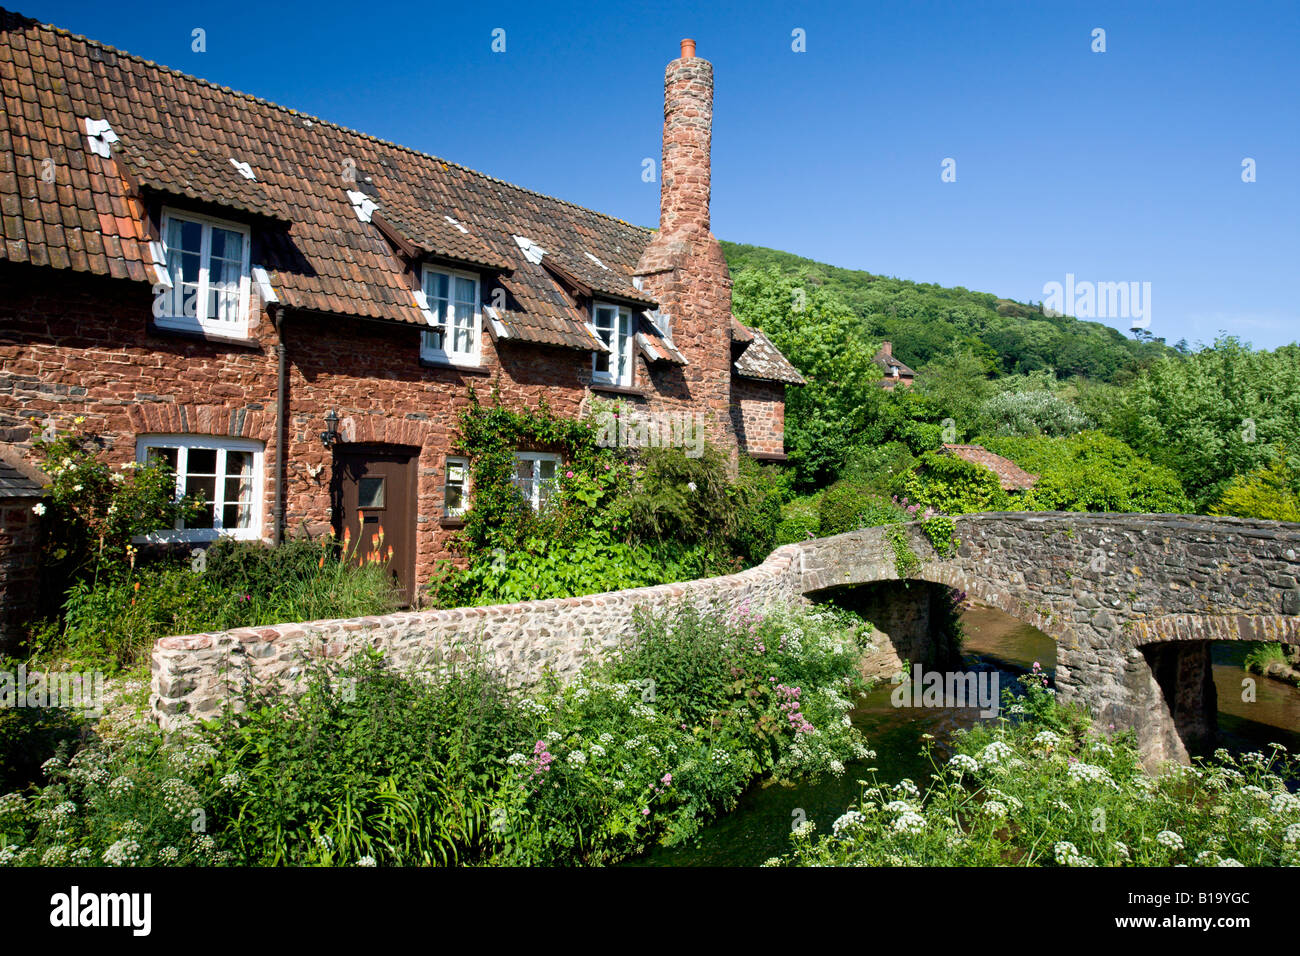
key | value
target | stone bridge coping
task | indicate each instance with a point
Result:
(783, 560)
(1191, 579)
(777, 564)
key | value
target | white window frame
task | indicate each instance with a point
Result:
(450, 356)
(465, 486)
(184, 444)
(619, 342)
(204, 323)
(537, 457)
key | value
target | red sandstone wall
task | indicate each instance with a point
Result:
(19, 575)
(73, 344)
(758, 416)
(683, 267)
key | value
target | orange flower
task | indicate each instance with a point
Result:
(137, 585)
(321, 562)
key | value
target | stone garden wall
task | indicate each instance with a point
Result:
(196, 675)
(1132, 602)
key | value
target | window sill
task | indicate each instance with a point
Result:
(457, 366)
(199, 335)
(452, 521)
(619, 389)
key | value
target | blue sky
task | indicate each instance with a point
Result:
(1122, 166)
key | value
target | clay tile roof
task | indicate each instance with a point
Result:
(888, 362)
(18, 479)
(761, 359)
(1011, 476)
(176, 136)
(654, 345)
(196, 172)
(740, 334)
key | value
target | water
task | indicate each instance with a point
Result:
(759, 827)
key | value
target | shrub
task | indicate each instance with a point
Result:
(1268, 493)
(373, 767)
(846, 506)
(955, 486)
(682, 499)
(1092, 471)
(882, 468)
(93, 511)
(111, 622)
(800, 520)
(1036, 412)
(756, 503)
(920, 437)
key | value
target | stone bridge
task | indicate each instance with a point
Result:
(1132, 602)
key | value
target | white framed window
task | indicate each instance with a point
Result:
(613, 324)
(207, 263)
(455, 491)
(535, 473)
(454, 304)
(225, 474)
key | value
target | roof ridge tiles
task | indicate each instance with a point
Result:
(315, 119)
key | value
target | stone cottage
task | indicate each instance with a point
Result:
(895, 372)
(290, 313)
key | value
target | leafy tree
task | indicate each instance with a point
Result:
(1213, 414)
(1091, 471)
(827, 343)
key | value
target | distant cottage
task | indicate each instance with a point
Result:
(896, 373)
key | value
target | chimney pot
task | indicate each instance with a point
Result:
(688, 49)
(886, 348)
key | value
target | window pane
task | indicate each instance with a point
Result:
(202, 461)
(166, 455)
(465, 290)
(370, 493)
(436, 286)
(203, 520)
(227, 245)
(464, 333)
(239, 478)
(235, 516)
(184, 236)
(546, 469)
(433, 339)
(604, 321)
(204, 488)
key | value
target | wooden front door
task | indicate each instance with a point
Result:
(374, 492)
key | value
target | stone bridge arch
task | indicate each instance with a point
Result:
(1132, 601)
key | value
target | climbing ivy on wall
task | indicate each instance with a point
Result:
(906, 563)
(500, 517)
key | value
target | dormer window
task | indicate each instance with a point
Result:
(207, 265)
(613, 323)
(455, 317)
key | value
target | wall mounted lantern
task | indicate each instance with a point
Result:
(331, 433)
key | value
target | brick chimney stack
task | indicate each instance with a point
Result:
(688, 136)
(683, 267)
